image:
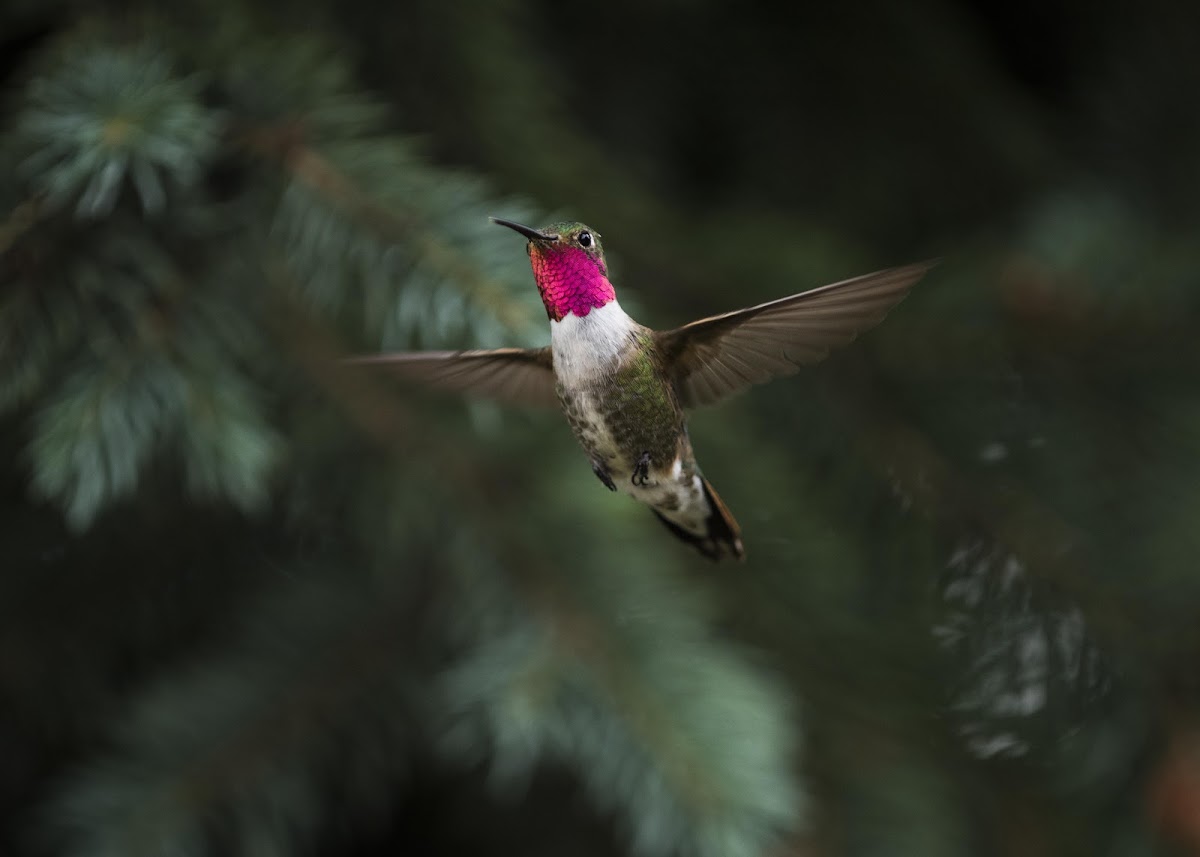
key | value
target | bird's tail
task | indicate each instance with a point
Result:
(722, 537)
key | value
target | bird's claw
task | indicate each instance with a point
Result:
(641, 470)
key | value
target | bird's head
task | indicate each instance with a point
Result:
(568, 265)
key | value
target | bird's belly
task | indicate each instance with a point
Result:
(670, 483)
(596, 433)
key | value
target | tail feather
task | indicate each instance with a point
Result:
(723, 536)
(722, 528)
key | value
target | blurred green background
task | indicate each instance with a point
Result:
(255, 602)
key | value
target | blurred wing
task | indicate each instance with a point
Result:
(516, 376)
(716, 357)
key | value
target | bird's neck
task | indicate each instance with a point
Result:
(589, 347)
(570, 281)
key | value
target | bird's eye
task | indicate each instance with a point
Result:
(585, 239)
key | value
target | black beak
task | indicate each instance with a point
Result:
(531, 234)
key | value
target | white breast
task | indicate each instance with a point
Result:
(586, 347)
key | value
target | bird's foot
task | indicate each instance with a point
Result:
(602, 474)
(641, 470)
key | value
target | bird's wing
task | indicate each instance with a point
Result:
(517, 376)
(716, 357)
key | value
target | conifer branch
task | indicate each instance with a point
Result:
(694, 749)
(318, 172)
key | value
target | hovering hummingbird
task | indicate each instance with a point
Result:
(625, 388)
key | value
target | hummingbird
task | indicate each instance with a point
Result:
(626, 389)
